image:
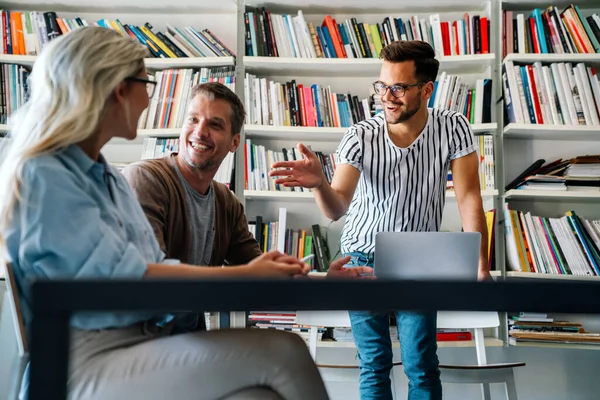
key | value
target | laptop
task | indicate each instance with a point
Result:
(427, 255)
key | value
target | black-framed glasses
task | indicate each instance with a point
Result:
(150, 84)
(397, 90)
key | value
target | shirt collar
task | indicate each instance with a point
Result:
(85, 162)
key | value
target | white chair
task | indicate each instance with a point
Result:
(483, 372)
(331, 319)
(11, 311)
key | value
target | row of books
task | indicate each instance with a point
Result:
(13, 89)
(452, 92)
(561, 93)
(284, 35)
(541, 328)
(26, 33)
(550, 31)
(575, 174)
(258, 162)
(172, 95)
(275, 235)
(487, 164)
(568, 245)
(282, 321)
(295, 104)
(162, 147)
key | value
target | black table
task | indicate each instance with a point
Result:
(53, 302)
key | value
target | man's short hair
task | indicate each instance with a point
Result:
(423, 55)
(216, 90)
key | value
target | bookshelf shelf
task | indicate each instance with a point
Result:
(533, 275)
(552, 132)
(294, 132)
(591, 58)
(569, 346)
(171, 132)
(552, 195)
(489, 342)
(316, 133)
(151, 63)
(354, 66)
(279, 195)
(188, 62)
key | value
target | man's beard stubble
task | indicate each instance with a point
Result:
(406, 115)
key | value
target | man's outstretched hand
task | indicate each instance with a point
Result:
(306, 172)
(337, 270)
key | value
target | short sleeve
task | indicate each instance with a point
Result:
(463, 139)
(63, 233)
(350, 149)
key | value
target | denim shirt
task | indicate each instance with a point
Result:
(78, 218)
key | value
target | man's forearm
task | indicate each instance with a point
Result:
(330, 202)
(473, 220)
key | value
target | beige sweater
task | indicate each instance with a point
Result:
(162, 196)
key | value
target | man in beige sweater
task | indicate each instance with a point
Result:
(196, 219)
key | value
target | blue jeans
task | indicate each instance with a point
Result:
(418, 349)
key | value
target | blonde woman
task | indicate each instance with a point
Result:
(66, 213)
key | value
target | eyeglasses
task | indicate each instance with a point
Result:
(150, 84)
(398, 90)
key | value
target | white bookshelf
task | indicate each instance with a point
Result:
(523, 144)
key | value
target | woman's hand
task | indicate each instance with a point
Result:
(274, 263)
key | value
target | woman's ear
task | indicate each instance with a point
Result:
(119, 92)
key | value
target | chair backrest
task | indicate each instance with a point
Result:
(330, 319)
(475, 320)
(15, 309)
(22, 359)
(467, 319)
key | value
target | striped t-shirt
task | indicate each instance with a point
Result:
(400, 189)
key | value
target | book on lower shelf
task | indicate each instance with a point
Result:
(285, 35)
(566, 245)
(258, 160)
(295, 242)
(528, 328)
(581, 173)
(27, 32)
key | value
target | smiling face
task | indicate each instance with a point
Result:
(398, 110)
(206, 136)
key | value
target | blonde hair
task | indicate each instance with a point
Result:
(69, 86)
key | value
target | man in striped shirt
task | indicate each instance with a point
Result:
(391, 176)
